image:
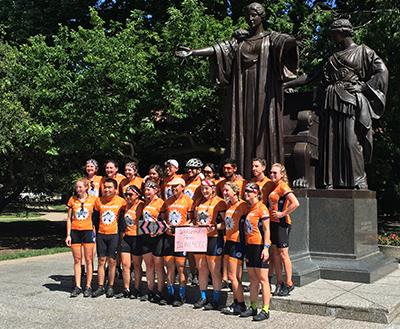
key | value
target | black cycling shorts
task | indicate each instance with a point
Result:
(280, 234)
(107, 245)
(169, 247)
(215, 245)
(234, 249)
(82, 237)
(253, 256)
(157, 245)
(132, 245)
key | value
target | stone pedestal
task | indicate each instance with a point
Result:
(334, 236)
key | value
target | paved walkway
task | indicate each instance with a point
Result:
(35, 294)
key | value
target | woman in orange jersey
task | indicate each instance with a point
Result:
(210, 171)
(155, 173)
(282, 202)
(257, 238)
(210, 212)
(234, 245)
(178, 212)
(80, 232)
(111, 168)
(132, 178)
(152, 247)
(91, 168)
(131, 250)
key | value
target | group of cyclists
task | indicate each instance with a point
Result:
(247, 222)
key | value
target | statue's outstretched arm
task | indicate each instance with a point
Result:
(183, 52)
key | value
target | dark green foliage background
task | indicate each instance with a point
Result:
(82, 79)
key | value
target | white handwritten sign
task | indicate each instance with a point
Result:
(191, 238)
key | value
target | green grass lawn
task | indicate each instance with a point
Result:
(31, 253)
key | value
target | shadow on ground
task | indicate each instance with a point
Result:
(32, 234)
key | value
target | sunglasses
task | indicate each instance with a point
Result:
(208, 171)
(129, 194)
(273, 172)
(249, 191)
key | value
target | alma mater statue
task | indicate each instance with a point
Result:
(354, 82)
(252, 66)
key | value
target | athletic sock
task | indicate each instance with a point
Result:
(216, 295)
(182, 291)
(203, 294)
(265, 308)
(253, 305)
(170, 289)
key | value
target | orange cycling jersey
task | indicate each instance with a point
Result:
(132, 216)
(233, 216)
(253, 224)
(152, 209)
(118, 177)
(278, 200)
(193, 187)
(94, 185)
(81, 217)
(166, 191)
(137, 181)
(109, 212)
(210, 212)
(266, 187)
(240, 182)
(177, 210)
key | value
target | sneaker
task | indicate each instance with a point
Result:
(278, 288)
(110, 292)
(156, 298)
(87, 292)
(200, 303)
(195, 281)
(225, 285)
(124, 294)
(211, 306)
(75, 292)
(134, 294)
(178, 302)
(248, 312)
(162, 301)
(234, 309)
(285, 291)
(100, 291)
(261, 316)
(144, 298)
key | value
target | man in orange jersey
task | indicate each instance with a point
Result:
(171, 168)
(178, 212)
(230, 173)
(193, 178)
(109, 213)
(266, 185)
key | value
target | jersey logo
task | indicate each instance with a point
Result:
(108, 217)
(248, 226)
(93, 192)
(202, 218)
(175, 217)
(219, 251)
(168, 193)
(147, 216)
(189, 193)
(228, 223)
(82, 214)
(128, 220)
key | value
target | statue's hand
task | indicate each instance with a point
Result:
(355, 88)
(183, 52)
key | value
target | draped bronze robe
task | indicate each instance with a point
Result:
(345, 137)
(253, 70)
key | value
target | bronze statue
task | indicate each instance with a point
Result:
(252, 66)
(354, 82)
